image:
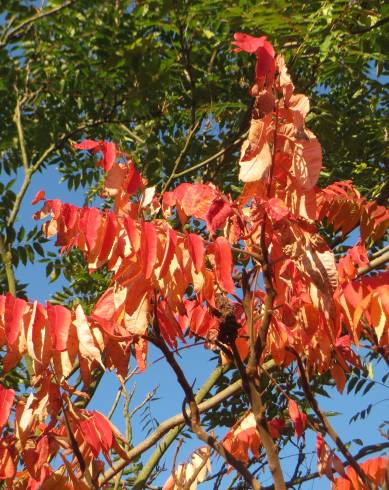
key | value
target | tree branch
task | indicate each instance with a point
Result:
(174, 425)
(326, 423)
(17, 31)
(194, 419)
(374, 264)
(212, 158)
(6, 257)
(379, 23)
(366, 451)
(132, 135)
(22, 143)
(182, 154)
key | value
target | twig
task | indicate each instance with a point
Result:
(212, 158)
(173, 433)
(326, 423)
(379, 23)
(6, 257)
(148, 397)
(132, 135)
(194, 419)
(182, 154)
(179, 444)
(366, 451)
(119, 392)
(17, 31)
(174, 425)
(19, 126)
(192, 479)
(374, 264)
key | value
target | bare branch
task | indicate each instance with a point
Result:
(194, 419)
(366, 451)
(175, 425)
(326, 423)
(375, 264)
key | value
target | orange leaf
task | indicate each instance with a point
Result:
(7, 397)
(223, 262)
(148, 250)
(299, 418)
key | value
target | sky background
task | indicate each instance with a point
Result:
(197, 365)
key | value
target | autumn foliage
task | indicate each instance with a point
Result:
(252, 276)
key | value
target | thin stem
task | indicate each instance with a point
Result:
(174, 425)
(182, 154)
(374, 264)
(213, 157)
(132, 134)
(19, 126)
(326, 423)
(17, 31)
(194, 420)
(366, 451)
(6, 257)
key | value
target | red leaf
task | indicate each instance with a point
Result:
(134, 180)
(87, 145)
(196, 250)
(132, 232)
(90, 222)
(6, 400)
(195, 199)
(263, 50)
(109, 155)
(217, 215)
(59, 319)
(170, 248)
(91, 436)
(223, 262)
(277, 209)
(148, 249)
(39, 196)
(104, 428)
(170, 328)
(307, 161)
(14, 311)
(109, 237)
(245, 42)
(7, 465)
(299, 418)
